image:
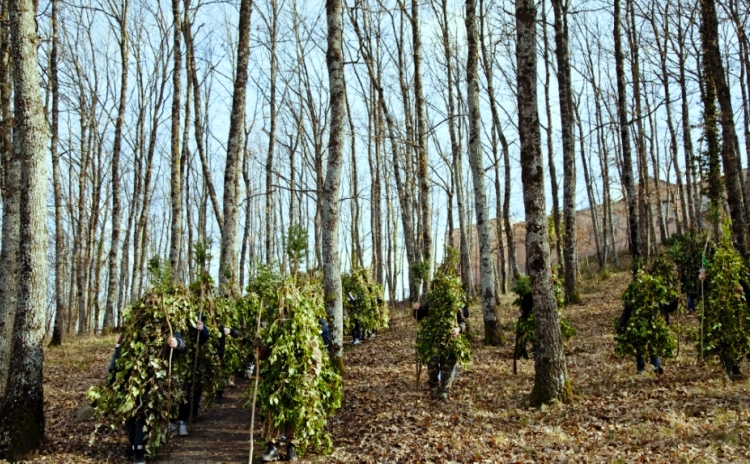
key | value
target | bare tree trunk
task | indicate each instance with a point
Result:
(22, 407)
(497, 134)
(550, 146)
(11, 193)
(425, 202)
(331, 260)
(551, 374)
(567, 121)
(714, 67)
(590, 192)
(272, 24)
(109, 315)
(484, 231)
(627, 168)
(228, 260)
(57, 333)
(687, 141)
(175, 186)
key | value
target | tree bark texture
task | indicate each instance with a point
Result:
(712, 56)
(228, 255)
(567, 121)
(330, 213)
(175, 190)
(484, 231)
(551, 375)
(109, 314)
(22, 408)
(627, 160)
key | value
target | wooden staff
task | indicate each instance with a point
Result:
(195, 363)
(256, 351)
(419, 371)
(169, 371)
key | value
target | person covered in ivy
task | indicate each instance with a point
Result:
(641, 329)
(640, 361)
(201, 334)
(298, 388)
(441, 369)
(134, 426)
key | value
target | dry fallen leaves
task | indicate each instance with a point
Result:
(690, 414)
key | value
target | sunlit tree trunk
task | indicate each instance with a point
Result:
(330, 213)
(228, 274)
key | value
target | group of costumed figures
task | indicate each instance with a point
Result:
(180, 347)
(714, 279)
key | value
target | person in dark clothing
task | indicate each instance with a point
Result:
(640, 361)
(668, 308)
(136, 450)
(325, 333)
(224, 332)
(441, 370)
(524, 313)
(201, 334)
(356, 329)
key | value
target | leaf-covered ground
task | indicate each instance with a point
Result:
(690, 414)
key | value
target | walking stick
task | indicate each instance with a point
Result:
(195, 363)
(515, 354)
(703, 294)
(256, 351)
(169, 370)
(419, 371)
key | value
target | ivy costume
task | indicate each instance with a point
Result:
(135, 424)
(441, 368)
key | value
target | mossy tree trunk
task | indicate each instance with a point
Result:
(22, 408)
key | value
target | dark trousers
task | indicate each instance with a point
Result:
(356, 331)
(184, 412)
(731, 367)
(441, 371)
(134, 429)
(640, 362)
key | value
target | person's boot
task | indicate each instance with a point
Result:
(272, 454)
(139, 454)
(443, 397)
(291, 454)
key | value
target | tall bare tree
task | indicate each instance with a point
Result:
(175, 186)
(627, 161)
(551, 374)
(330, 213)
(228, 258)
(121, 17)
(484, 231)
(567, 121)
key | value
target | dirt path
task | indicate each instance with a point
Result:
(218, 436)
